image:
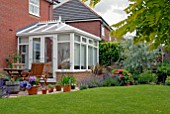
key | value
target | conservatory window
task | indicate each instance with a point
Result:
(34, 7)
(76, 56)
(95, 56)
(83, 56)
(63, 37)
(77, 38)
(63, 55)
(36, 50)
(90, 57)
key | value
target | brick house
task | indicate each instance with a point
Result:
(16, 14)
(79, 15)
(26, 28)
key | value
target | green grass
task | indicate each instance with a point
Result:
(142, 99)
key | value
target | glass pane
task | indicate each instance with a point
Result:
(95, 56)
(83, 56)
(95, 43)
(31, 9)
(23, 40)
(24, 54)
(35, 2)
(48, 49)
(48, 57)
(63, 37)
(63, 55)
(84, 40)
(76, 56)
(36, 50)
(90, 57)
(90, 41)
(77, 38)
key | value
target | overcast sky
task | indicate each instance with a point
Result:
(111, 10)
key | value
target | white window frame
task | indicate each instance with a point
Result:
(35, 6)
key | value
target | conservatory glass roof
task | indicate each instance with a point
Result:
(51, 27)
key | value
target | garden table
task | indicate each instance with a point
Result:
(14, 72)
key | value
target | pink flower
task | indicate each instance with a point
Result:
(121, 75)
(119, 70)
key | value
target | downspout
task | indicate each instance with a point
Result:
(53, 2)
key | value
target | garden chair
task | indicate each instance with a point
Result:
(46, 72)
(36, 70)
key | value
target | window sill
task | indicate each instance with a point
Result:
(34, 15)
(68, 70)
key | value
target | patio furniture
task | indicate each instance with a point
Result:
(37, 69)
(14, 72)
(46, 72)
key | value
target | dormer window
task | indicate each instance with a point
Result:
(34, 7)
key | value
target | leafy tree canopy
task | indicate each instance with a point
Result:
(149, 18)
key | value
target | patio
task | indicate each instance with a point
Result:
(25, 93)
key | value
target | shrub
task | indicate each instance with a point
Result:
(83, 86)
(147, 77)
(108, 80)
(167, 82)
(123, 76)
(163, 71)
(109, 52)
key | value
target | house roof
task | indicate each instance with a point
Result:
(75, 10)
(52, 27)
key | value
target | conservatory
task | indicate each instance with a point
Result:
(62, 46)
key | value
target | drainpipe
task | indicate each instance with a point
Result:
(53, 2)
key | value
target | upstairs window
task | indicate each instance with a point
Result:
(103, 32)
(34, 7)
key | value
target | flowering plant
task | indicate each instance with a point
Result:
(32, 81)
(124, 76)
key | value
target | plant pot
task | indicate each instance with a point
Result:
(50, 90)
(44, 91)
(73, 87)
(58, 88)
(13, 87)
(33, 90)
(66, 88)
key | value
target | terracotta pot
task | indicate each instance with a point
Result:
(33, 90)
(50, 90)
(66, 88)
(58, 88)
(44, 91)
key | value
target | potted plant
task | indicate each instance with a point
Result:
(66, 81)
(13, 86)
(31, 85)
(73, 82)
(50, 88)
(58, 86)
(44, 90)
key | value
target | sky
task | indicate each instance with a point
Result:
(111, 10)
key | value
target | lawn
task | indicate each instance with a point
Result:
(141, 99)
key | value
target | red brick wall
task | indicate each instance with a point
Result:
(14, 14)
(107, 33)
(78, 75)
(93, 27)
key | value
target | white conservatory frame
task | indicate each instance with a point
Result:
(51, 30)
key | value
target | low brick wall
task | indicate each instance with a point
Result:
(78, 75)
